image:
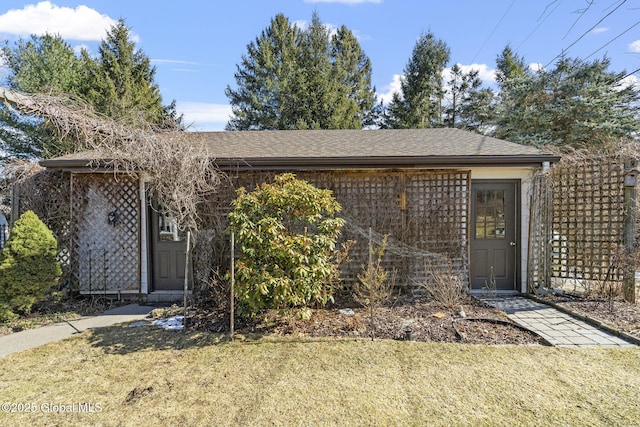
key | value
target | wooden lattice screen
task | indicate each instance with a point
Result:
(425, 214)
(106, 255)
(47, 194)
(540, 232)
(588, 219)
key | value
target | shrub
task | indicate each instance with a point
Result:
(374, 286)
(287, 233)
(443, 285)
(28, 266)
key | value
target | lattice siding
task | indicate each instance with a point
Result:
(47, 193)
(425, 214)
(588, 216)
(540, 232)
(437, 221)
(106, 257)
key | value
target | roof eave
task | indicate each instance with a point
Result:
(308, 163)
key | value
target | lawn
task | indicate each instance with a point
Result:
(146, 376)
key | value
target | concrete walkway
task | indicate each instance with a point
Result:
(558, 328)
(31, 338)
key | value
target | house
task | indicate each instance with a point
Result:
(443, 196)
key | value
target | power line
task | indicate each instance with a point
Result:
(584, 34)
(493, 31)
(581, 12)
(540, 23)
(612, 40)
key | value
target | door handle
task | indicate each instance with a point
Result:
(512, 243)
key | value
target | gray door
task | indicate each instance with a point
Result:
(494, 234)
(169, 249)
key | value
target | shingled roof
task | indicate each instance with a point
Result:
(313, 149)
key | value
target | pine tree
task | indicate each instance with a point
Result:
(43, 64)
(301, 79)
(121, 81)
(352, 70)
(266, 79)
(576, 103)
(469, 105)
(420, 103)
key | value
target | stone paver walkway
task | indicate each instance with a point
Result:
(558, 328)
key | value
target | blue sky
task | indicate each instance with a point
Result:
(196, 44)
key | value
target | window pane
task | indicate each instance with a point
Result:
(490, 219)
(168, 228)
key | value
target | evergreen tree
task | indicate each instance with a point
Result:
(121, 81)
(352, 70)
(43, 64)
(469, 105)
(576, 103)
(301, 79)
(509, 66)
(28, 266)
(420, 103)
(266, 97)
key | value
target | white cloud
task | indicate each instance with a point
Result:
(628, 81)
(635, 46)
(390, 89)
(79, 48)
(486, 74)
(81, 23)
(600, 30)
(343, 1)
(536, 66)
(303, 25)
(204, 116)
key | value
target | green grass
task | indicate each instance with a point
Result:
(145, 376)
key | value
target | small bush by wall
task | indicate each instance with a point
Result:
(28, 266)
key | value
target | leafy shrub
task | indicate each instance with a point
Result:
(287, 232)
(28, 266)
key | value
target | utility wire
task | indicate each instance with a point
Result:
(540, 23)
(612, 40)
(581, 14)
(584, 34)
(493, 31)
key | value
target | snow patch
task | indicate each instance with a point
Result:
(174, 323)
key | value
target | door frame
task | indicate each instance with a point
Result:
(517, 212)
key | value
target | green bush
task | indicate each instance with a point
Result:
(287, 232)
(28, 266)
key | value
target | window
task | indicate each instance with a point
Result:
(490, 220)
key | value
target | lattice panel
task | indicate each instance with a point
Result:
(540, 232)
(47, 193)
(437, 222)
(588, 217)
(425, 214)
(106, 256)
(369, 200)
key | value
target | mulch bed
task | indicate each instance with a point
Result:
(423, 320)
